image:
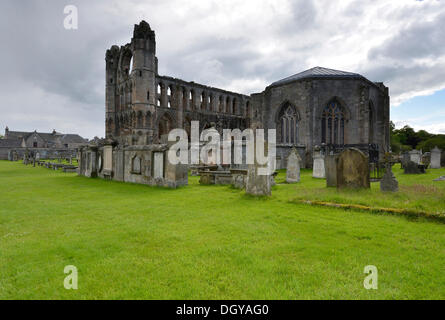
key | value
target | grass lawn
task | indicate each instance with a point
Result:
(214, 242)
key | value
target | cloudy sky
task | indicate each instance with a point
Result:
(54, 78)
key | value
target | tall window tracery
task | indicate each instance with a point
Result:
(333, 124)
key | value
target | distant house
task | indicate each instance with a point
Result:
(45, 143)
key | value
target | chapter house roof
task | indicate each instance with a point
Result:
(319, 72)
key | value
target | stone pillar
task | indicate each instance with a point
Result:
(435, 158)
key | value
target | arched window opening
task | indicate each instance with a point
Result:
(159, 103)
(247, 109)
(289, 125)
(169, 90)
(332, 124)
(165, 125)
(169, 105)
(227, 105)
(192, 99)
(234, 106)
(148, 96)
(220, 104)
(158, 89)
(140, 120)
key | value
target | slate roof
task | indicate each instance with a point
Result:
(319, 72)
(10, 143)
(50, 138)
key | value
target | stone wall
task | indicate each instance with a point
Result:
(136, 164)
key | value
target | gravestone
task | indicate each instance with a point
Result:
(441, 178)
(10, 155)
(411, 167)
(415, 156)
(435, 158)
(319, 171)
(330, 163)
(37, 156)
(258, 178)
(293, 167)
(158, 167)
(353, 169)
(389, 182)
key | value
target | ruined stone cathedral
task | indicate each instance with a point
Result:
(317, 107)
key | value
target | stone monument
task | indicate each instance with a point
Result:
(389, 182)
(353, 169)
(319, 171)
(258, 181)
(293, 167)
(435, 158)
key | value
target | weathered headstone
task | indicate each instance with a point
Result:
(319, 171)
(258, 179)
(330, 163)
(158, 168)
(353, 169)
(441, 178)
(293, 167)
(411, 167)
(435, 158)
(389, 182)
(415, 156)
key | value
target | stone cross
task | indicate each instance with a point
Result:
(389, 182)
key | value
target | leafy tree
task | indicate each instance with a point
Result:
(438, 140)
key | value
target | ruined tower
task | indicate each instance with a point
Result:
(130, 88)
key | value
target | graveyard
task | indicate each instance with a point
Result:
(201, 241)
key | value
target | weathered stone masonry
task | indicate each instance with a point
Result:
(317, 107)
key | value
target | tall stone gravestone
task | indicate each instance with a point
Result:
(330, 163)
(319, 166)
(435, 158)
(353, 169)
(415, 156)
(389, 182)
(293, 167)
(257, 182)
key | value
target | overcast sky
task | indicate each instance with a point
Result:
(52, 78)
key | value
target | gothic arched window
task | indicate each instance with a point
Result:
(333, 124)
(288, 124)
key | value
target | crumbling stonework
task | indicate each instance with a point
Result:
(310, 108)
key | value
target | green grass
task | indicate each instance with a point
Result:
(417, 192)
(211, 242)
